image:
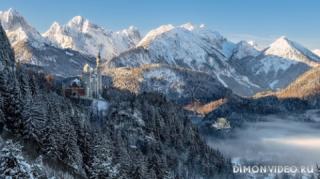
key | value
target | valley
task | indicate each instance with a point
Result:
(287, 139)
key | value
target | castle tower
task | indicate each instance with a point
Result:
(87, 79)
(98, 59)
(93, 79)
(97, 77)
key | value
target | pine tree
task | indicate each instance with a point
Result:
(12, 163)
(36, 123)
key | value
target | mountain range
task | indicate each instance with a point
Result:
(81, 35)
(241, 67)
(163, 93)
(43, 134)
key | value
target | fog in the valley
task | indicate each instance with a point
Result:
(276, 140)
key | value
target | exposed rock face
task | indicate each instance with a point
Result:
(81, 35)
(18, 29)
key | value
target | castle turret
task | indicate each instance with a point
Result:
(98, 59)
(98, 76)
(92, 79)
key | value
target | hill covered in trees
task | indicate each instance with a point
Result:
(44, 134)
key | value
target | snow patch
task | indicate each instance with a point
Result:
(274, 64)
(69, 53)
(245, 49)
(100, 105)
(272, 84)
(317, 52)
(81, 35)
(18, 29)
(159, 75)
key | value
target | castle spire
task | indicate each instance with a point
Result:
(98, 59)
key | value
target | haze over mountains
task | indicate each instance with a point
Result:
(241, 67)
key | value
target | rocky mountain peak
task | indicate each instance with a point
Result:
(245, 49)
(290, 50)
(10, 14)
(189, 26)
(18, 29)
(11, 19)
(153, 34)
(81, 24)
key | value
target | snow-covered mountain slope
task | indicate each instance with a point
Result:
(31, 48)
(18, 29)
(59, 62)
(81, 35)
(287, 49)
(317, 52)
(244, 49)
(278, 65)
(190, 47)
(221, 43)
(178, 84)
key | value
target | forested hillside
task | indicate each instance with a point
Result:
(44, 134)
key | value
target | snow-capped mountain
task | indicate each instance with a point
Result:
(283, 53)
(31, 48)
(241, 66)
(191, 47)
(278, 65)
(245, 49)
(81, 35)
(18, 29)
(317, 52)
(287, 49)
(57, 61)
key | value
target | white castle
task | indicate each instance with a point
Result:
(92, 79)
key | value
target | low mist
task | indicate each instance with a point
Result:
(276, 140)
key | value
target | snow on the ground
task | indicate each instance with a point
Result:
(275, 64)
(272, 84)
(158, 75)
(100, 105)
(317, 52)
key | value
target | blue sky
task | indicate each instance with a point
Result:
(260, 20)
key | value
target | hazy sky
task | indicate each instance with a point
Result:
(259, 20)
